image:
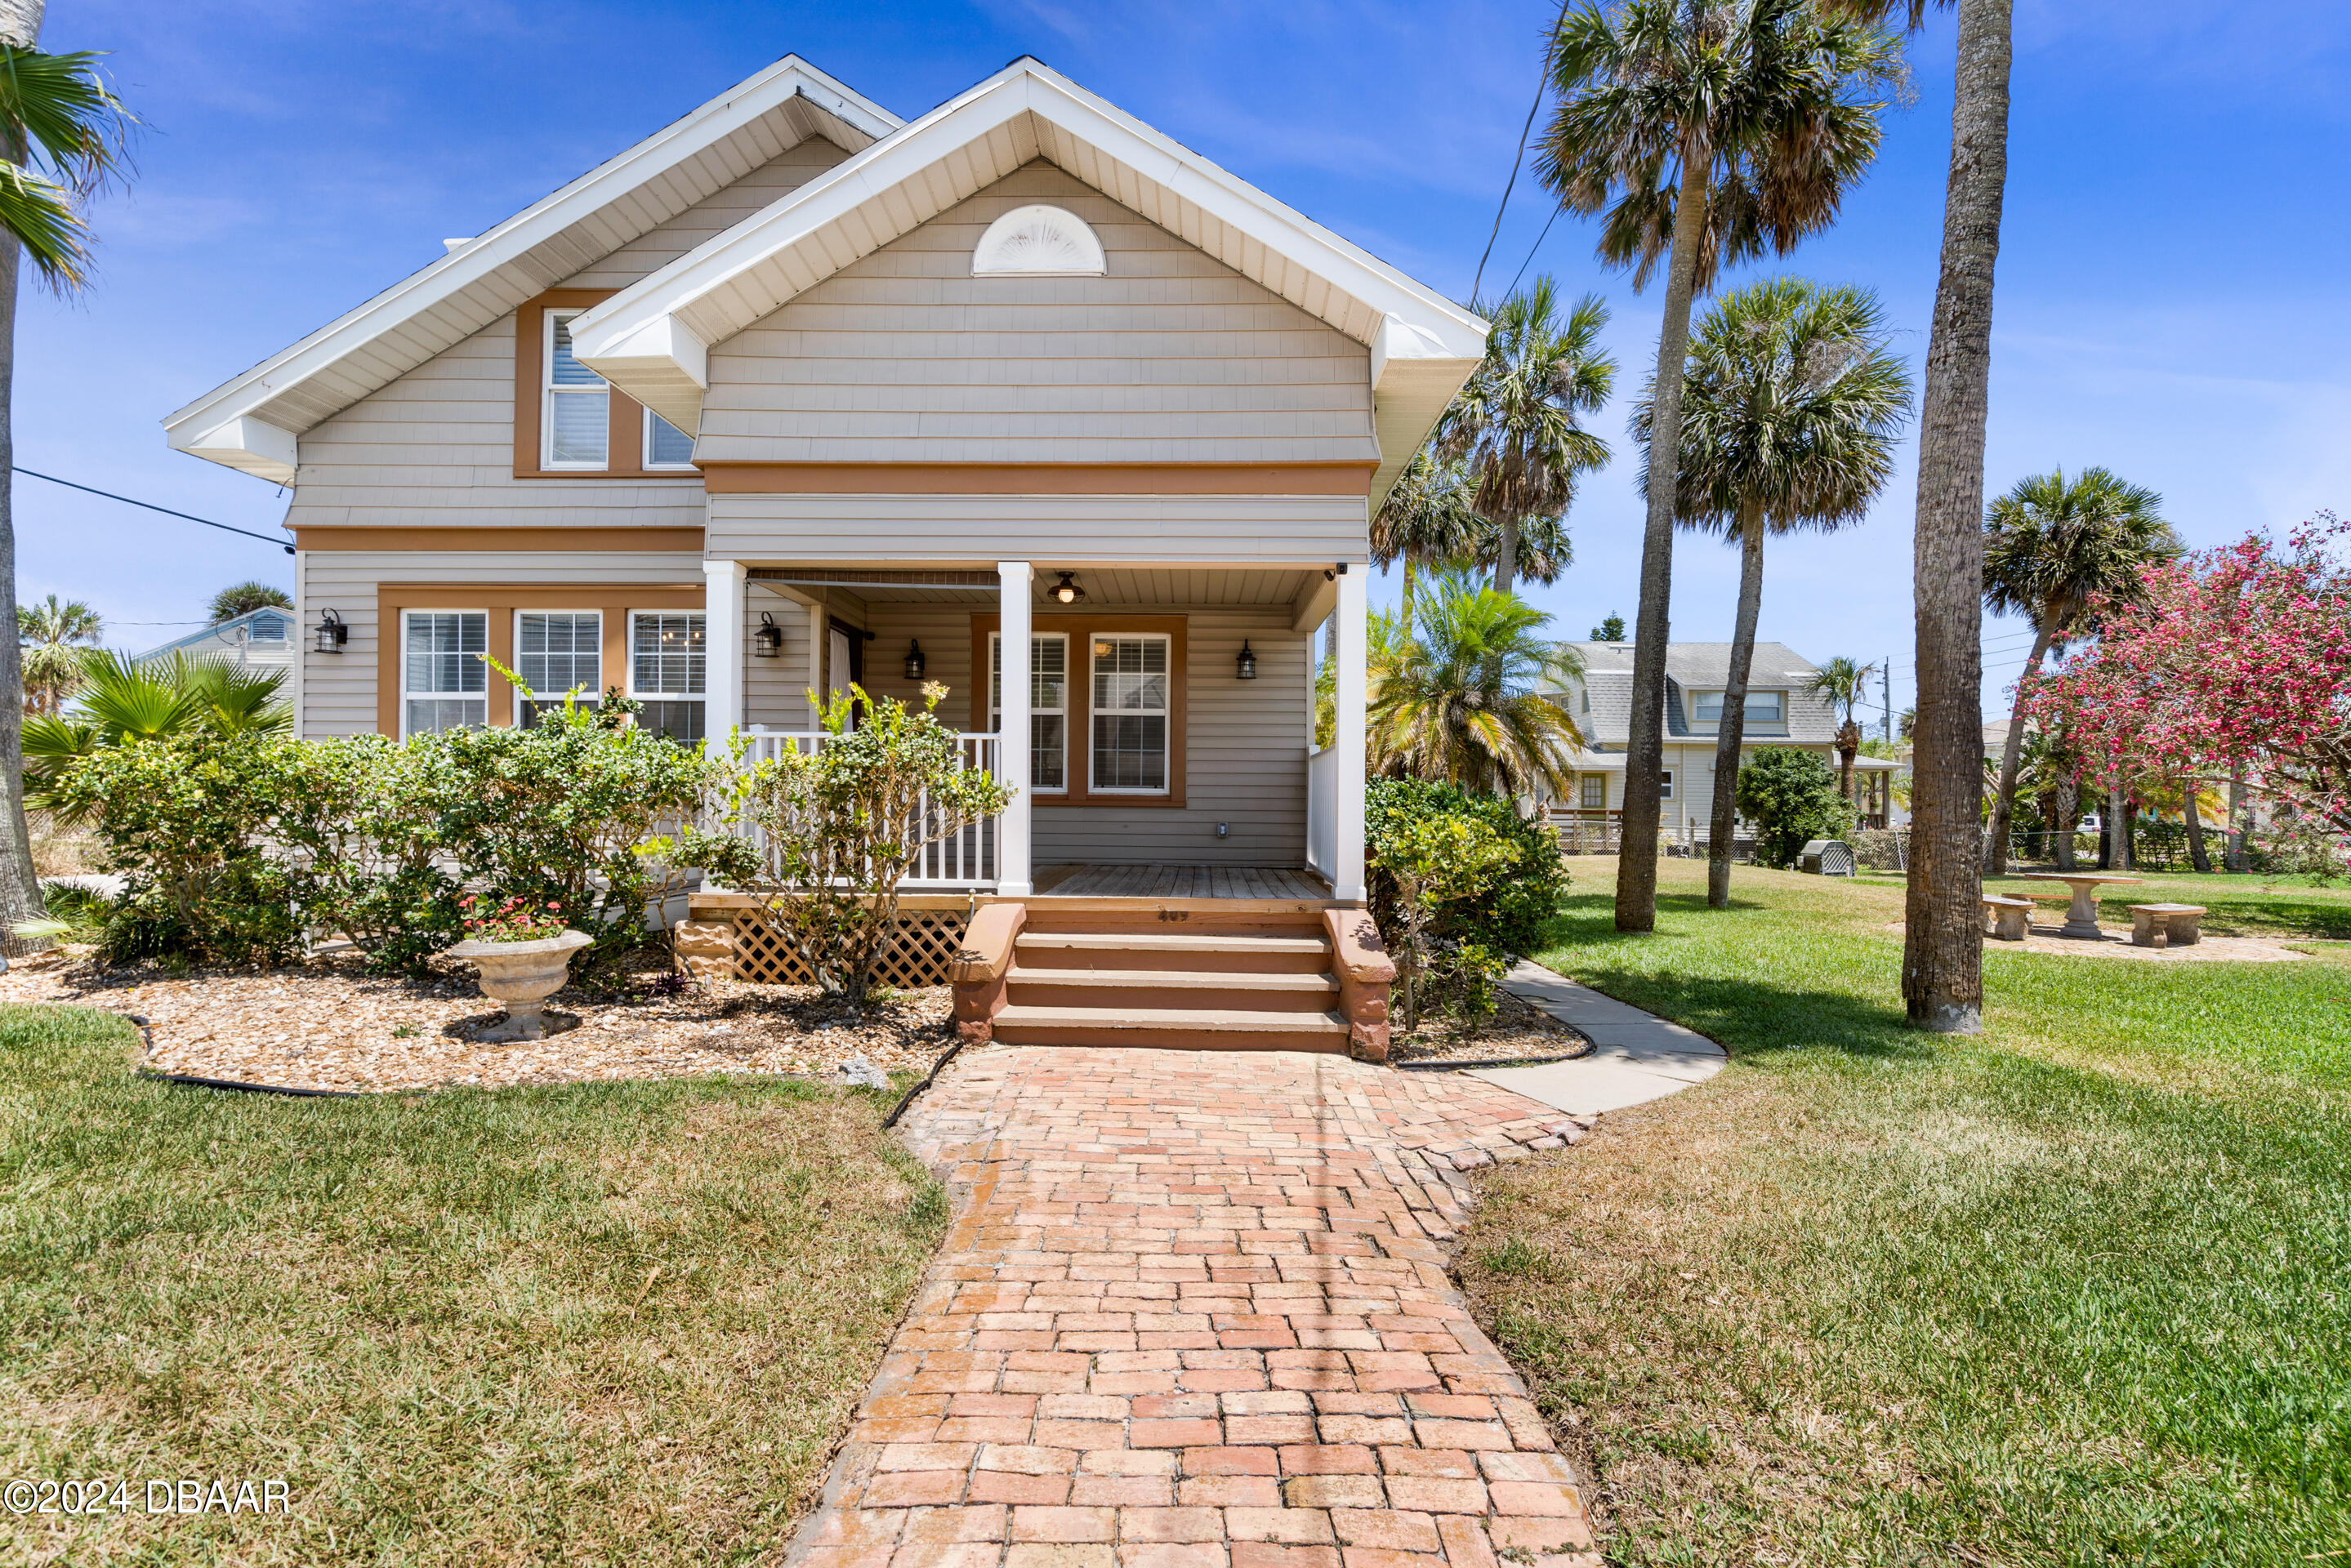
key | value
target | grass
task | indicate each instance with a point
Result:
(2236, 905)
(595, 1323)
(2077, 1291)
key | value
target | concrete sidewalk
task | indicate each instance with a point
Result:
(1640, 1056)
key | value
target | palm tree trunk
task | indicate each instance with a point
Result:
(2118, 845)
(1506, 553)
(1407, 595)
(2198, 854)
(1848, 747)
(20, 885)
(1722, 822)
(1636, 857)
(1942, 940)
(2003, 804)
(2069, 817)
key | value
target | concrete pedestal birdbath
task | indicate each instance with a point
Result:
(522, 976)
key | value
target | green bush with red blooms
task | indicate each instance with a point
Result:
(511, 920)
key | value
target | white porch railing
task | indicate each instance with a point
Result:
(1323, 813)
(965, 859)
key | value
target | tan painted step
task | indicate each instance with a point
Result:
(1230, 952)
(1196, 1029)
(1177, 990)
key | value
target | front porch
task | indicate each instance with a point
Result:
(1169, 713)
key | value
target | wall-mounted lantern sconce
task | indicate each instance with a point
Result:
(767, 642)
(1066, 591)
(1246, 664)
(332, 632)
(915, 660)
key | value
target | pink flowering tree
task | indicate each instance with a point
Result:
(2236, 662)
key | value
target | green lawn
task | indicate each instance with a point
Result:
(601, 1323)
(2074, 1292)
(2236, 905)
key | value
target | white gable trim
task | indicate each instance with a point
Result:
(250, 423)
(652, 340)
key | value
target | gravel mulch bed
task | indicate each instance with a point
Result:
(1516, 1031)
(329, 1024)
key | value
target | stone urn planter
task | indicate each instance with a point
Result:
(522, 976)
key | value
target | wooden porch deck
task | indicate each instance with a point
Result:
(1081, 881)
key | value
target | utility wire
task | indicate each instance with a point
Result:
(1531, 252)
(151, 506)
(1542, 84)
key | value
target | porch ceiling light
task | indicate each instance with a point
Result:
(1246, 664)
(767, 642)
(915, 660)
(1067, 590)
(332, 633)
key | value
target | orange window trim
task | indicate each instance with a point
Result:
(1080, 629)
(499, 601)
(624, 437)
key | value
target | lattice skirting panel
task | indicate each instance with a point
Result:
(925, 945)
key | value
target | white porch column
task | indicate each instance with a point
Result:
(723, 584)
(1013, 874)
(1347, 876)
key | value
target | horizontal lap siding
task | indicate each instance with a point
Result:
(905, 356)
(1304, 530)
(435, 447)
(339, 690)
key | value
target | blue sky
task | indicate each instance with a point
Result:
(2170, 293)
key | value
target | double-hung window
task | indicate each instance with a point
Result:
(669, 671)
(1049, 707)
(1129, 714)
(1595, 791)
(555, 653)
(578, 415)
(444, 682)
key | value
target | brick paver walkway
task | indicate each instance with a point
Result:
(1194, 1314)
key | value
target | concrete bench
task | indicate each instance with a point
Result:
(2007, 919)
(2177, 921)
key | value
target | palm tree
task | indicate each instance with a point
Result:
(51, 634)
(1544, 549)
(1464, 694)
(1790, 404)
(1426, 522)
(1705, 130)
(2050, 546)
(60, 141)
(123, 703)
(238, 598)
(1942, 941)
(1514, 424)
(1845, 684)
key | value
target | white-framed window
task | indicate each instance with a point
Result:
(1130, 713)
(1049, 707)
(443, 684)
(1665, 783)
(557, 651)
(1762, 708)
(1595, 791)
(666, 446)
(669, 672)
(575, 424)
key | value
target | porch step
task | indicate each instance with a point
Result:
(1204, 1028)
(1156, 990)
(1232, 951)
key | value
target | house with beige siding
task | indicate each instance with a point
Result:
(1021, 395)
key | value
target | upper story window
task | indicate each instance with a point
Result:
(577, 416)
(1762, 708)
(666, 446)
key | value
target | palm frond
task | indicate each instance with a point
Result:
(1467, 693)
(65, 134)
(2053, 544)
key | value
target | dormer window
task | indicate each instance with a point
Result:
(1762, 708)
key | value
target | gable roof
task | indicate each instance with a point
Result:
(250, 423)
(653, 339)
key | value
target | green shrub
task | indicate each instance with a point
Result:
(1791, 796)
(1472, 936)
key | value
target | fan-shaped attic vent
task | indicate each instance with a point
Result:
(1028, 242)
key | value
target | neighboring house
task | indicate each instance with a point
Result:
(1780, 713)
(792, 394)
(260, 639)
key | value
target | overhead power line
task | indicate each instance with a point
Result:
(128, 501)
